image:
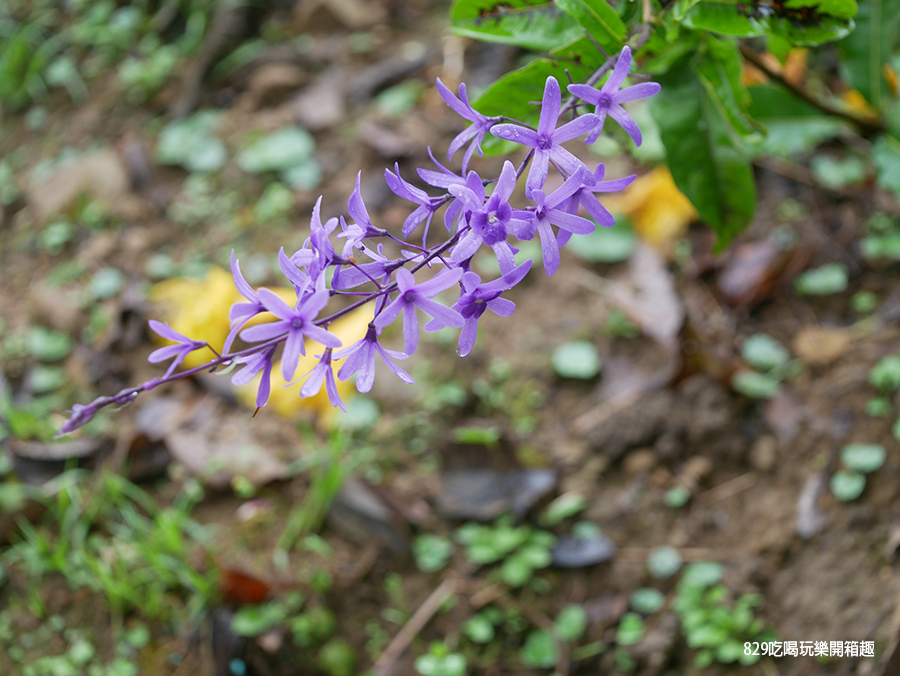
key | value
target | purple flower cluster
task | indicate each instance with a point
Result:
(479, 216)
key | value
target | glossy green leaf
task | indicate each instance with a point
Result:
(866, 49)
(721, 70)
(830, 20)
(886, 155)
(533, 24)
(600, 20)
(706, 156)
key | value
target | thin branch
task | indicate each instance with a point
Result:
(410, 630)
(869, 126)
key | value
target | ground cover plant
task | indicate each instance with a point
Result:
(220, 224)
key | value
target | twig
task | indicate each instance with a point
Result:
(868, 126)
(415, 624)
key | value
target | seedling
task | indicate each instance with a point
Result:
(878, 407)
(440, 661)
(859, 459)
(432, 552)
(521, 548)
(565, 506)
(647, 600)
(712, 626)
(772, 363)
(885, 375)
(541, 650)
(677, 497)
(864, 302)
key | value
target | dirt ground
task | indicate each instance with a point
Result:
(661, 414)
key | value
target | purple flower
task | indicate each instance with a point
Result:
(427, 204)
(296, 322)
(444, 179)
(609, 98)
(361, 360)
(476, 298)
(490, 222)
(183, 348)
(545, 141)
(241, 313)
(259, 361)
(412, 296)
(323, 371)
(475, 132)
(549, 211)
(584, 196)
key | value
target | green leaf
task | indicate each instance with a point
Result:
(885, 375)
(539, 651)
(190, 143)
(605, 245)
(533, 24)
(823, 280)
(722, 69)
(866, 49)
(886, 155)
(863, 458)
(479, 629)
(830, 20)
(258, 619)
(847, 486)
(566, 505)
(571, 623)
(764, 352)
(631, 629)
(663, 562)
(578, 360)
(755, 385)
(280, 150)
(600, 20)
(47, 345)
(702, 574)
(793, 126)
(705, 155)
(647, 600)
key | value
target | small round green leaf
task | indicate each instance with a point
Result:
(822, 281)
(863, 458)
(755, 385)
(47, 345)
(764, 353)
(479, 629)
(570, 623)
(578, 360)
(664, 562)
(847, 486)
(885, 375)
(107, 283)
(677, 497)
(631, 629)
(647, 600)
(280, 150)
(539, 651)
(702, 574)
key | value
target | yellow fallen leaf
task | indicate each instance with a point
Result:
(286, 401)
(856, 103)
(659, 211)
(891, 76)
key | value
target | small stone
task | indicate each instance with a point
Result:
(572, 552)
(764, 453)
(640, 461)
(271, 641)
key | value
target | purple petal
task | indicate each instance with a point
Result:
(441, 312)
(501, 306)
(164, 353)
(293, 348)
(537, 175)
(570, 222)
(549, 107)
(245, 289)
(275, 305)
(629, 125)
(410, 329)
(443, 280)
(399, 372)
(549, 247)
(466, 248)
(264, 332)
(580, 125)
(516, 134)
(467, 336)
(506, 183)
(167, 332)
(314, 382)
(635, 92)
(461, 139)
(620, 71)
(331, 387)
(389, 314)
(585, 93)
(356, 207)
(597, 211)
(320, 335)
